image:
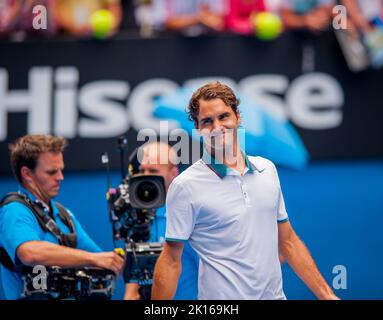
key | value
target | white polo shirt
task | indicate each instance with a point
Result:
(231, 221)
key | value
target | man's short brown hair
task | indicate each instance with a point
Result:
(210, 91)
(27, 149)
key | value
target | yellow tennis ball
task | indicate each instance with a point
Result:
(102, 23)
(267, 25)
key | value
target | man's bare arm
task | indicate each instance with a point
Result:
(356, 16)
(298, 257)
(132, 291)
(316, 20)
(182, 22)
(167, 271)
(33, 253)
(291, 20)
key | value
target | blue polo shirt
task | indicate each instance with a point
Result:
(187, 288)
(19, 225)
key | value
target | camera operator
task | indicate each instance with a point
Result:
(159, 159)
(51, 237)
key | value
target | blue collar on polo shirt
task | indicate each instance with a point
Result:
(221, 169)
(31, 196)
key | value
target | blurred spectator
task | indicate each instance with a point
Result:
(9, 16)
(73, 16)
(28, 15)
(197, 17)
(150, 16)
(364, 15)
(312, 15)
(273, 5)
(240, 12)
(191, 17)
(365, 24)
(17, 17)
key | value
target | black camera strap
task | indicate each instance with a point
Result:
(46, 222)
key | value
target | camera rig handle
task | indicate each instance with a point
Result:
(122, 144)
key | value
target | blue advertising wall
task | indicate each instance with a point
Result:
(335, 207)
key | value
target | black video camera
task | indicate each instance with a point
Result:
(132, 209)
(133, 205)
